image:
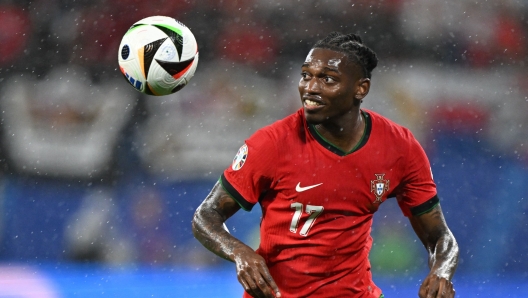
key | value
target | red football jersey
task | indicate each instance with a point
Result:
(318, 201)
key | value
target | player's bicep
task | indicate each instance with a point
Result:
(218, 204)
(208, 224)
(430, 226)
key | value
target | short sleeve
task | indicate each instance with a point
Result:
(417, 193)
(251, 172)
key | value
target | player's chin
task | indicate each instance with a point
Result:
(314, 118)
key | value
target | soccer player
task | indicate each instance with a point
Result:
(319, 175)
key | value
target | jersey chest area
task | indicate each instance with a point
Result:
(355, 184)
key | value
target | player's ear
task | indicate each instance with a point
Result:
(363, 88)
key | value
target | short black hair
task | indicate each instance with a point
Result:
(352, 46)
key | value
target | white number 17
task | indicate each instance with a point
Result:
(314, 212)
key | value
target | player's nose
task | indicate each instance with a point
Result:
(312, 86)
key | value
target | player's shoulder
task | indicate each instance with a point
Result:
(387, 127)
(283, 128)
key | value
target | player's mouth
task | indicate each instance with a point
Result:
(312, 104)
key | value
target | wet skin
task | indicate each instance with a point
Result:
(331, 89)
(443, 252)
(252, 272)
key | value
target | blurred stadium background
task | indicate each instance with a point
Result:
(99, 183)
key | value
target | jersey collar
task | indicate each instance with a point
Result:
(336, 150)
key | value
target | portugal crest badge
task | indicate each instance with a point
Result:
(379, 187)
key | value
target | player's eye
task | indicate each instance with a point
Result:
(329, 80)
(304, 75)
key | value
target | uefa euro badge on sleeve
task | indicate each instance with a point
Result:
(240, 158)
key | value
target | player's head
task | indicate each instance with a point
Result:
(352, 46)
(335, 78)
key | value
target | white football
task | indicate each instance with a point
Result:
(158, 55)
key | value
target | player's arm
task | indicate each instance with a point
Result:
(442, 247)
(208, 228)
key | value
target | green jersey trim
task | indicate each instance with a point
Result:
(425, 207)
(234, 194)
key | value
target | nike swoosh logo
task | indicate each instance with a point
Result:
(298, 188)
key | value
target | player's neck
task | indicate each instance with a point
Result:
(345, 137)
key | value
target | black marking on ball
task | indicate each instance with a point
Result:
(125, 52)
(149, 52)
(176, 38)
(174, 67)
